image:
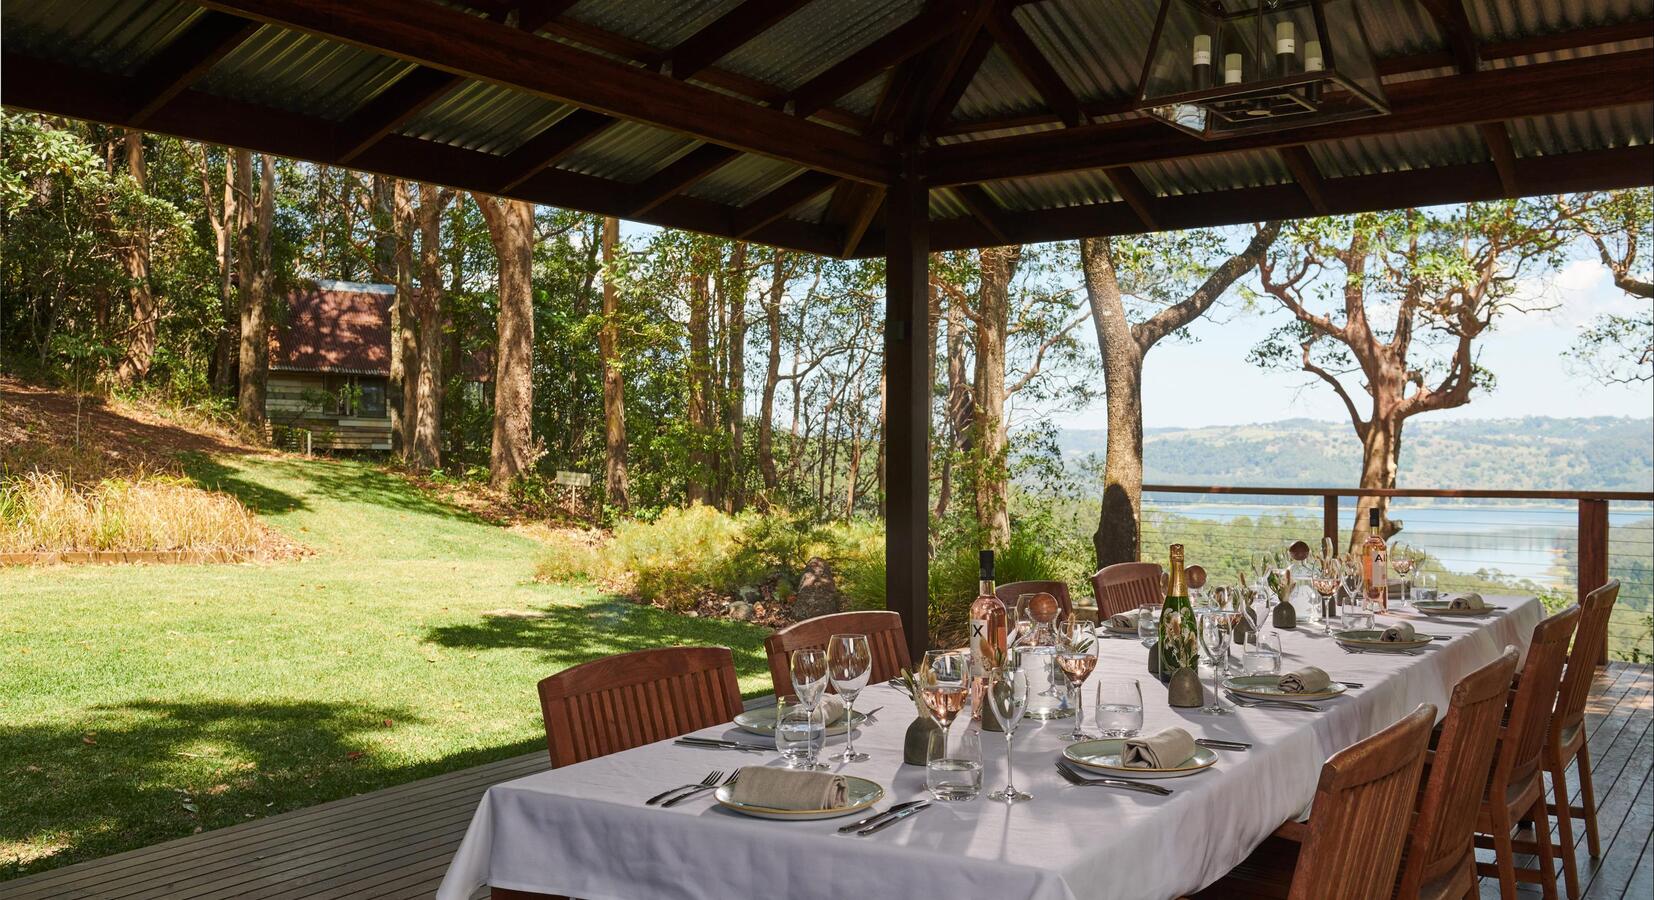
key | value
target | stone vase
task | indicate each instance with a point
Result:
(1286, 616)
(1184, 690)
(916, 746)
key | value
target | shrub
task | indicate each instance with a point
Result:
(855, 550)
(567, 558)
(44, 512)
(677, 557)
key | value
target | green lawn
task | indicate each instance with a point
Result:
(139, 704)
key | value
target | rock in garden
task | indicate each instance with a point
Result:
(817, 594)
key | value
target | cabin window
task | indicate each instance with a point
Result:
(372, 397)
(355, 395)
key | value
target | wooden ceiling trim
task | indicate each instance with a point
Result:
(1496, 135)
(447, 39)
(182, 62)
(1033, 65)
(1595, 82)
(727, 34)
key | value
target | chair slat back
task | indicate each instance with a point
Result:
(632, 699)
(1589, 639)
(1011, 596)
(1442, 843)
(1126, 586)
(1359, 819)
(1528, 722)
(885, 638)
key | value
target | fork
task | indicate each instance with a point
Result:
(1359, 652)
(1283, 704)
(710, 779)
(699, 789)
(1079, 780)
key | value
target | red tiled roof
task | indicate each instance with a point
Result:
(335, 327)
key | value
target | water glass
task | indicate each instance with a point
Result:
(1148, 624)
(1358, 616)
(1119, 709)
(800, 733)
(1261, 655)
(1424, 588)
(954, 772)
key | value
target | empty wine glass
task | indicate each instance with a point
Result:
(1119, 710)
(1326, 581)
(809, 674)
(1008, 698)
(1214, 639)
(1403, 560)
(849, 663)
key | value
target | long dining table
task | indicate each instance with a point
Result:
(585, 831)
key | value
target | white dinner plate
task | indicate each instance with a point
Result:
(861, 794)
(1104, 756)
(761, 720)
(1268, 687)
(1369, 639)
(1445, 608)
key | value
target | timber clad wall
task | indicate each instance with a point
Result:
(294, 400)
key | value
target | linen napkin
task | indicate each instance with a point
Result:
(1401, 631)
(790, 789)
(1126, 621)
(1167, 748)
(1308, 680)
(832, 706)
(1468, 601)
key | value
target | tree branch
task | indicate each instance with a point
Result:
(1179, 314)
(1039, 356)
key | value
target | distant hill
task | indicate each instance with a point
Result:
(1536, 453)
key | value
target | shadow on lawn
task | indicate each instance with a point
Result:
(570, 635)
(338, 480)
(121, 777)
(213, 475)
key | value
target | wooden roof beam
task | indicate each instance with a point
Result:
(780, 201)
(1136, 195)
(1307, 174)
(1033, 65)
(1454, 23)
(975, 54)
(865, 202)
(901, 43)
(551, 146)
(1497, 137)
(182, 62)
(463, 44)
(984, 209)
(727, 34)
(680, 174)
(1493, 95)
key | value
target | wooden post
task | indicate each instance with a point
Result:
(1593, 552)
(907, 341)
(1329, 519)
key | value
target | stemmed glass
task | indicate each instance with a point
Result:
(1403, 559)
(1148, 625)
(1008, 698)
(849, 663)
(942, 686)
(1214, 639)
(1352, 584)
(1326, 581)
(809, 674)
(1077, 658)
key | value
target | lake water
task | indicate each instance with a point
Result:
(1525, 541)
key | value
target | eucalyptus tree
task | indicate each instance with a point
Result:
(1397, 302)
(511, 226)
(1619, 226)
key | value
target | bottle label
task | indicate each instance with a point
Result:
(1380, 564)
(979, 646)
(1203, 57)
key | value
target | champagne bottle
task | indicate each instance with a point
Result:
(1177, 608)
(988, 631)
(1375, 564)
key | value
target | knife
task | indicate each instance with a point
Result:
(863, 823)
(923, 804)
(709, 744)
(1222, 745)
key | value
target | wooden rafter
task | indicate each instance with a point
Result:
(1454, 22)
(725, 35)
(394, 107)
(900, 43)
(975, 54)
(1033, 65)
(984, 209)
(1136, 194)
(551, 146)
(685, 171)
(1573, 85)
(181, 63)
(447, 39)
(1497, 137)
(780, 201)
(1307, 174)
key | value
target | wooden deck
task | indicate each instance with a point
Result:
(396, 843)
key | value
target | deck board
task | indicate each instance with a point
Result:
(396, 843)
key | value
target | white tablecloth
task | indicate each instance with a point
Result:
(584, 830)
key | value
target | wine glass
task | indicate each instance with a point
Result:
(1008, 698)
(1077, 659)
(1148, 625)
(1403, 560)
(942, 687)
(1214, 639)
(809, 673)
(1119, 712)
(1326, 581)
(849, 663)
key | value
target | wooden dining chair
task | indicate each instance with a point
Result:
(1565, 741)
(1516, 790)
(1011, 596)
(1440, 862)
(885, 638)
(631, 699)
(1126, 586)
(1351, 847)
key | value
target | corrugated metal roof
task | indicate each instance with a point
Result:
(1098, 48)
(997, 90)
(1399, 28)
(1600, 129)
(814, 211)
(300, 73)
(744, 180)
(659, 23)
(628, 152)
(1202, 174)
(1496, 20)
(486, 117)
(812, 40)
(1052, 191)
(107, 35)
(945, 204)
(1399, 152)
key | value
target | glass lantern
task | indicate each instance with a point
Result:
(1218, 68)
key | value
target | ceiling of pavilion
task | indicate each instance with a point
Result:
(779, 120)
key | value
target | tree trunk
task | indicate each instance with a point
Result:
(772, 375)
(511, 225)
(392, 259)
(140, 343)
(735, 396)
(618, 490)
(427, 434)
(960, 407)
(253, 271)
(1117, 538)
(700, 373)
(225, 349)
(998, 267)
(1380, 461)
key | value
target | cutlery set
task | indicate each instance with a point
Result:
(1270, 704)
(880, 821)
(1075, 777)
(682, 792)
(721, 744)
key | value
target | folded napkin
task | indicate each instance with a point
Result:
(1126, 621)
(790, 789)
(1308, 680)
(1401, 631)
(1164, 749)
(832, 705)
(1468, 601)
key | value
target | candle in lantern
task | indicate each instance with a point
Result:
(1232, 68)
(1312, 56)
(1286, 41)
(1203, 60)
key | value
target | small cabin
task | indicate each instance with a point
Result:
(330, 366)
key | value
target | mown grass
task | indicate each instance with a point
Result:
(143, 703)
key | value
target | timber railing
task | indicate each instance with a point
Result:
(1557, 542)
